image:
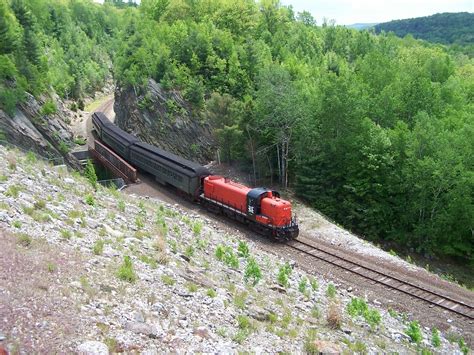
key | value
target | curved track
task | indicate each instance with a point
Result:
(378, 276)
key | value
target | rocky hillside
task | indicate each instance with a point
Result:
(164, 119)
(40, 126)
(95, 271)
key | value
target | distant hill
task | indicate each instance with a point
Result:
(446, 28)
(361, 26)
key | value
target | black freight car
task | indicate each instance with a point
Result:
(168, 168)
(120, 141)
(99, 120)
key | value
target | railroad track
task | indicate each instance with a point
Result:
(383, 278)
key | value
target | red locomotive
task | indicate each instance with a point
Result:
(261, 208)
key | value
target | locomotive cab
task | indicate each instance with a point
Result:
(267, 207)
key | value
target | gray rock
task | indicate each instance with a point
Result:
(138, 317)
(141, 328)
(93, 348)
(2, 336)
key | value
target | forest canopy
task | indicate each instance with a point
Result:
(373, 130)
(446, 28)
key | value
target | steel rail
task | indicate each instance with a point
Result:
(393, 282)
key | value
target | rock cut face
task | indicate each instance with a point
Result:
(164, 119)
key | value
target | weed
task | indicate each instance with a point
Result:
(293, 333)
(331, 291)
(252, 274)
(197, 228)
(51, 267)
(16, 224)
(240, 336)
(189, 251)
(283, 275)
(414, 332)
(358, 307)
(435, 339)
(65, 234)
(221, 332)
(98, 247)
(201, 244)
(372, 317)
(13, 191)
(272, 317)
(150, 261)
(239, 299)
(192, 287)
(314, 283)
(173, 245)
(243, 249)
(126, 271)
(121, 205)
(39, 204)
(3, 178)
(463, 347)
(393, 313)
(168, 280)
(139, 222)
(30, 157)
(315, 312)
(286, 319)
(244, 322)
(211, 293)
(309, 343)
(303, 284)
(226, 255)
(89, 199)
(392, 252)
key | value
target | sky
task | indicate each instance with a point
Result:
(347, 12)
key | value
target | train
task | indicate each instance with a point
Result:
(262, 209)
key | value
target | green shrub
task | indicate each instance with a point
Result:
(211, 293)
(189, 251)
(197, 228)
(139, 222)
(90, 174)
(414, 332)
(435, 339)
(16, 224)
(243, 249)
(66, 234)
(356, 307)
(283, 275)
(126, 272)
(226, 255)
(331, 291)
(13, 191)
(239, 299)
(220, 251)
(48, 108)
(98, 247)
(89, 199)
(63, 147)
(252, 274)
(372, 317)
(302, 284)
(309, 343)
(314, 284)
(192, 287)
(168, 280)
(31, 157)
(121, 206)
